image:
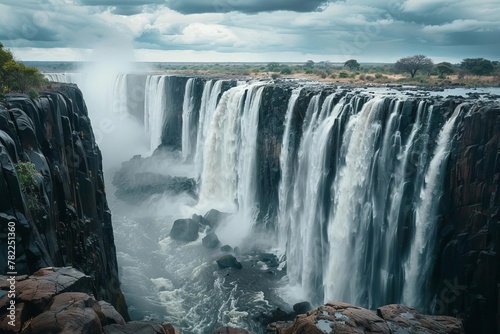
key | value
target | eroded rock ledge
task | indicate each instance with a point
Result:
(60, 300)
(341, 318)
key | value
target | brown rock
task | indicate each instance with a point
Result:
(169, 329)
(230, 330)
(400, 317)
(68, 313)
(135, 327)
(111, 315)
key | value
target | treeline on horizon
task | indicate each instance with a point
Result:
(418, 69)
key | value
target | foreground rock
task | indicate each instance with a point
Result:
(230, 330)
(60, 300)
(341, 318)
(211, 241)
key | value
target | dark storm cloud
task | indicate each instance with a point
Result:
(250, 6)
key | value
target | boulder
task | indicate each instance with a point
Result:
(200, 220)
(185, 230)
(269, 259)
(211, 241)
(215, 217)
(302, 307)
(226, 249)
(228, 261)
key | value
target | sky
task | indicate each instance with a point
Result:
(251, 30)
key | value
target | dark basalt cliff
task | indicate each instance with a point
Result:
(468, 268)
(52, 188)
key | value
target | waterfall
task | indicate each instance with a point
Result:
(120, 96)
(287, 175)
(187, 111)
(155, 108)
(209, 100)
(351, 212)
(419, 265)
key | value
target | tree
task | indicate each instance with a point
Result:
(352, 64)
(15, 76)
(309, 64)
(273, 67)
(477, 66)
(444, 68)
(413, 64)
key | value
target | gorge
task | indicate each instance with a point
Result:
(363, 195)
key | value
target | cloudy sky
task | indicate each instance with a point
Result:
(251, 30)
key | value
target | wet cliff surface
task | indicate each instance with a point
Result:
(52, 189)
(467, 272)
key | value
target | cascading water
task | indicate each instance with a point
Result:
(357, 200)
(187, 112)
(209, 100)
(419, 264)
(155, 108)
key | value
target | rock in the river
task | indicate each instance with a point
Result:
(185, 230)
(342, 318)
(211, 241)
(226, 249)
(215, 217)
(229, 261)
(302, 307)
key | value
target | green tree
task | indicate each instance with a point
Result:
(444, 68)
(413, 64)
(477, 66)
(352, 64)
(309, 64)
(273, 67)
(15, 76)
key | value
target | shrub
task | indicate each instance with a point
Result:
(378, 75)
(26, 172)
(343, 74)
(333, 75)
(370, 78)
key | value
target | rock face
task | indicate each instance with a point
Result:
(52, 190)
(467, 272)
(341, 318)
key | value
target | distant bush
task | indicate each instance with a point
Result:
(370, 78)
(378, 75)
(275, 76)
(286, 70)
(333, 75)
(343, 74)
(362, 77)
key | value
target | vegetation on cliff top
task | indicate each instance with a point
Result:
(17, 77)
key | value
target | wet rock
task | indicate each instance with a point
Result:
(302, 307)
(270, 259)
(226, 249)
(228, 261)
(200, 220)
(211, 241)
(185, 230)
(215, 217)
